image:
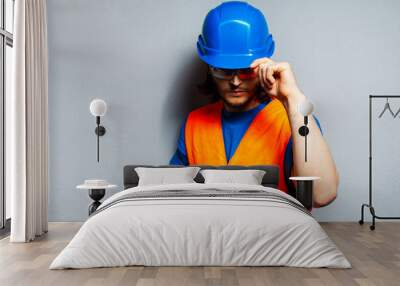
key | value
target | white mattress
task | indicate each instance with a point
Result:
(183, 231)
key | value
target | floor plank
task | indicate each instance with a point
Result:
(374, 255)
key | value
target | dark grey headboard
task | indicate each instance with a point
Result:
(270, 179)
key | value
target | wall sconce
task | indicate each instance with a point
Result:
(98, 108)
(305, 108)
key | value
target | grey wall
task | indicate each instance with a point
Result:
(140, 57)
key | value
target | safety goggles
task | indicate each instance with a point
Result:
(228, 74)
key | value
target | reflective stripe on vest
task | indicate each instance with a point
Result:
(264, 142)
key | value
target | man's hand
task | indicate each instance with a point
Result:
(277, 79)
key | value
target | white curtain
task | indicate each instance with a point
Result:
(28, 123)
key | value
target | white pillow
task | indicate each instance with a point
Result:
(249, 177)
(161, 176)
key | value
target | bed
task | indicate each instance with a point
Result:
(198, 224)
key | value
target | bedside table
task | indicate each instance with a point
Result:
(97, 190)
(304, 190)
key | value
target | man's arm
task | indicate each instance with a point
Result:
(320, 162)
(278, 81)
(289, 162)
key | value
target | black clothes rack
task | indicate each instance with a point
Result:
(370, 205)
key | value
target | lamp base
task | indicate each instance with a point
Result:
(100, 130)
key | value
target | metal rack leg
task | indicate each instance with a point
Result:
(361, 221)
(374, 216)
(372, 210)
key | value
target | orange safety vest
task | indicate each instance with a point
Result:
(264, 142)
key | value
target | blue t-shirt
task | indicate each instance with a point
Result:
(234, 126)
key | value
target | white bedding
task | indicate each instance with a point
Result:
(182, 231)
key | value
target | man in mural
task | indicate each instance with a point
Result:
(255, 119)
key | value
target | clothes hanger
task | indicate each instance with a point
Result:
(398, 112)
(387, 107)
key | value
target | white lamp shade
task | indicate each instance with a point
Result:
(98, 107)
(305, 108)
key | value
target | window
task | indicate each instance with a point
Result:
(6, 44)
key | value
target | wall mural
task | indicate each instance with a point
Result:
(259, 115)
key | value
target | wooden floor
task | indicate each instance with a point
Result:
(375, 257)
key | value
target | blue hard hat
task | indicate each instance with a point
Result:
(234, 34)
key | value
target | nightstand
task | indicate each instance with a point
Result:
(304, 190)
(97, 190)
